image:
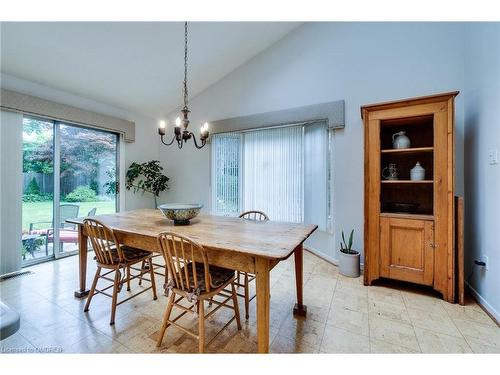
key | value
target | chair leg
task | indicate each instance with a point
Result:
(247, 297)
(201, 326)
(128, 279)
(92, 289)
(152, 273)
(143, 266)
(116, 287)
(238, 276)
(236, 306)
(166, 317)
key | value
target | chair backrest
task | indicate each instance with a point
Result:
(68, 211)
(92, 212)
(254, 215)
(181, 252)
(104, 242)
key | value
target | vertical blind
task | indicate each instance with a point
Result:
(273, 173)
(281, 171)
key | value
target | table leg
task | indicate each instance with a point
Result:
(299, 309)
(82, 263)
(262, 270)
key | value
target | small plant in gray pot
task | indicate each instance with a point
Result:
(348, 258)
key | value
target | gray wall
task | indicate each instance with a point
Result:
(482, 133)
(319, 62)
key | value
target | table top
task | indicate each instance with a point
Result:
(270, 239)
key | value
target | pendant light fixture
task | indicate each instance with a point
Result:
(183, 135)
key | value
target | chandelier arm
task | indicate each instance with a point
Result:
(203, 142)
(169, 143)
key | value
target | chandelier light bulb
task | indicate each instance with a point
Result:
(178, 121)
(163, 124)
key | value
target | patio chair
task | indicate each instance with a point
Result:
(67, 235)
(67, 231)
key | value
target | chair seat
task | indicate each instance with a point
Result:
(131, 254)
(65, 236)
(218, 275)
(39, 231)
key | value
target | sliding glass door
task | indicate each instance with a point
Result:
(38, 189)
(69, 171)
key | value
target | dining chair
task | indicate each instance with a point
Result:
(193, 279)
(247, 277)
(111, 255)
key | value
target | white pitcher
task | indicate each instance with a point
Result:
(400, 140)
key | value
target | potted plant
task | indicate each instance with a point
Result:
(147, 177)
(348, 258)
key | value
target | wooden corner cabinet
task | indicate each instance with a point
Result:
(409, 222)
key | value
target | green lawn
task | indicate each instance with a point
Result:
(42, 211)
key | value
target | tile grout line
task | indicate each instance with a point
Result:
(329, 309)
(411, 322)
(458, 329)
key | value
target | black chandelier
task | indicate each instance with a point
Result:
(182, 136)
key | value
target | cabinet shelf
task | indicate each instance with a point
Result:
(407, 181)
(407, 150)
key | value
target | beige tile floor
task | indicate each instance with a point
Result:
(343, 317)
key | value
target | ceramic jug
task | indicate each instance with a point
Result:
(417, 173)
(390, 172)
(400, 140)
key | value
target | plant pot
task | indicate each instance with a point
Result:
(349, 264)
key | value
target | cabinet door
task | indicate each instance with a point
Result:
(406, 250)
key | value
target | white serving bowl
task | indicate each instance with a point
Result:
(180, 213)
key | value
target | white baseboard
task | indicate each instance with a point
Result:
(331, 260)
(495, 314)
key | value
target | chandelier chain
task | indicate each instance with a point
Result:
(185, 64)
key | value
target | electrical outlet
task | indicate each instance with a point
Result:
(486, 261)
(493, 156)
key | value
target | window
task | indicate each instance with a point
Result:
(283, 171)
(226, 150)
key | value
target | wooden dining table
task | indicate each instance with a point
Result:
(240, 244)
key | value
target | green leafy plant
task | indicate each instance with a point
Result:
(146, 177)
(346, 247)
(24, 251)
(47, 197)
(81, 194)
(110, 185)
(33, 188)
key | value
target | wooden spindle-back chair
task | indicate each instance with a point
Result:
(191, 277)
(111, 255)
(248, 278)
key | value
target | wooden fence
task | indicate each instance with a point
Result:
(46, 182)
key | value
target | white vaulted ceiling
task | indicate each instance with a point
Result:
(137, 66)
